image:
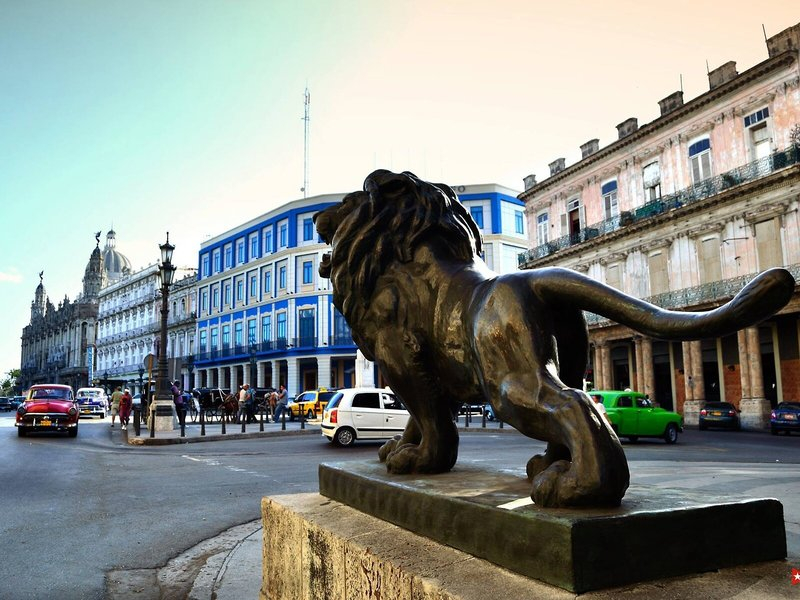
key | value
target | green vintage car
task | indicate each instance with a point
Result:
(632, 415)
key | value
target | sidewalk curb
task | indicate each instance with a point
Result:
(163, 441)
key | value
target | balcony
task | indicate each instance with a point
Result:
(713, 293)
(700, 191)
(271, 348)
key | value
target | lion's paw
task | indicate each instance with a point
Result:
(388, 448)
(403, 458)
(548, 484)
(536, 465)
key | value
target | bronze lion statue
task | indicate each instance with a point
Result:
(406, 274)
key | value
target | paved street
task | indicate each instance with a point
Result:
(78, 508)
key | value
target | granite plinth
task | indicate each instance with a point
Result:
(653, 534)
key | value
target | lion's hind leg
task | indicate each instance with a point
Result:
(540, 462)
(584, 464)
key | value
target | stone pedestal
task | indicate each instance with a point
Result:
(164, 414)
(755, 413)
(691, 412)
(654, 534)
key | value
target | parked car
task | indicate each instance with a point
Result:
(785, 417)
(48, 407)
(16, 401)
(719, 414)
(311, 403)
(363, 413)
(633, 415)
(92, 401)
(5, 403)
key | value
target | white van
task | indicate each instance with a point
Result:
(363, 414)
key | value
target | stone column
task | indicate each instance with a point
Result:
(638, 383)
(324, 370)
(694, 394)
(744, 365)
(756, 408)
(260, 383)
(608, 371)
(276, 374)
(234, 380)
(599, 381)
(220, 382)
(246, 373)
(648, 376)
(293, 386)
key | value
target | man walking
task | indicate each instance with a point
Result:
(282, 401)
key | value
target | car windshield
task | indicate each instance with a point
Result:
(91, 393)
(794, 405)
(326, 396)
(50, 394)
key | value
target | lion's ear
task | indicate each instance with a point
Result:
(383, 184)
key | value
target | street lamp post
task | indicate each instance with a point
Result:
(190, 367)
(164, 410)
(253, 352)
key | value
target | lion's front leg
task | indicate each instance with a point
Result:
(429, 443)
(411, 435)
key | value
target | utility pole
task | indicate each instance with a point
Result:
(307, 106)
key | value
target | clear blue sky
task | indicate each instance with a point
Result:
(185, 115)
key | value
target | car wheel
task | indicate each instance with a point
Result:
(671, 433)
(21, 432)
(73, 432)
(773, 431)
(702, 427)
(633, 438)
(291, 415)
(345, 436)
(103, 415)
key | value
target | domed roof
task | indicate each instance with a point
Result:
(115, 263)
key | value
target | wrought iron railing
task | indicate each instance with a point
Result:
(274, 346)
(706, 293)
(699, 191)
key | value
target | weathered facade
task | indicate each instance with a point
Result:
(683, 211)
(58, 344)
(129, 326)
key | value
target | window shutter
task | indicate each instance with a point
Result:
(564, 224)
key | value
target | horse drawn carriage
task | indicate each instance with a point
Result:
(216, 403)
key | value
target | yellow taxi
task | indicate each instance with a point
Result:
(311, 403)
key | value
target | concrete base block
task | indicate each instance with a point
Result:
(164, 414)
(691, 412)
(487, 514)
(755, 413)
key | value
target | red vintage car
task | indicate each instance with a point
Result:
(48, 407)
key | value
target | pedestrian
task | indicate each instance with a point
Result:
(250, 404)
(242, 398)
(601, 408)
(272, 400)
(115, 398)
(280, 402)
(125, 406)
(177, 399)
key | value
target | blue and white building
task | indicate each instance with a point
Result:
(264, 315)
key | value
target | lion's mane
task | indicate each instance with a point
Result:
(387, 222)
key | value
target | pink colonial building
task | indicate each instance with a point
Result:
(683, 211)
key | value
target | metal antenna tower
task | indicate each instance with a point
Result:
(306, 106)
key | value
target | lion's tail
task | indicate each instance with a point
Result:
(761, 298)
